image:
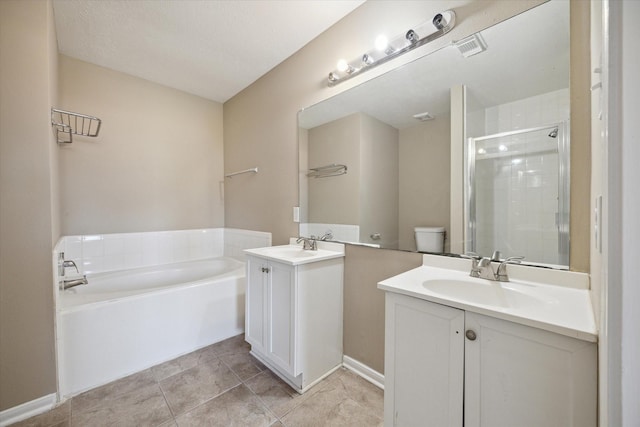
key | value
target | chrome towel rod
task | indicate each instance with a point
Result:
(327, 171)
(254, 170)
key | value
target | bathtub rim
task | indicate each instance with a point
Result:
(238, 272)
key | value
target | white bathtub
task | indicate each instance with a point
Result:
(126, 321)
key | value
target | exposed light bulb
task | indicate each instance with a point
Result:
(342, 65)
(367, 59)
(382, 43)
(502, 147)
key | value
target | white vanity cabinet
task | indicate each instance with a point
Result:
(294, 317)
(444, 365)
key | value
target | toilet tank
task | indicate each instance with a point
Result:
(430, 239)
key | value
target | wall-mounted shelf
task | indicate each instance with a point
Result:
(67, 123)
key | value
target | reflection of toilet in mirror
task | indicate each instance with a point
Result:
(430, 239)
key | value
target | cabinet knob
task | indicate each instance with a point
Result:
(471, 335)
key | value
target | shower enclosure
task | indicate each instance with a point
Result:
(517, 194)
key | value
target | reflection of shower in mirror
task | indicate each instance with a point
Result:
(518, 194)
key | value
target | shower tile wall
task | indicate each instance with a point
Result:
(540, 110)
(526, 184)
(111, 252)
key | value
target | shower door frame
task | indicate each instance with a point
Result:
(564, 188)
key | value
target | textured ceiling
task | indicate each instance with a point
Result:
(210, 48)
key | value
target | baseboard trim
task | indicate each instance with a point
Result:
(359, 368)
(27, 410)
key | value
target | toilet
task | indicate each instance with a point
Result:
(430, 239)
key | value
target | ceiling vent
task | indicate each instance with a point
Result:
(423, 117)
(471, 45)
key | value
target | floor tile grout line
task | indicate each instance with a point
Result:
(262, 401)
(166, 401)
(206, 401)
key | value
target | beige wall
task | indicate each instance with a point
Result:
(379, 177)
(580, 92)
(157, 163)
(424, 178)
(335, 142)
(364, 302)
(260, 130)
(367, 195)
(28, 215)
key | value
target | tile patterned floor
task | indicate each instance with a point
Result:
(219, 385)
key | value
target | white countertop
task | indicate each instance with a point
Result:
(564, 310)
(294, 254)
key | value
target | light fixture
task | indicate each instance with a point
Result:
(344, 67)
(381, 43)
(411, 39)
(367, 59)
(502, 147)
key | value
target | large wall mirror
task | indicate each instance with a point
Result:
(376, 159)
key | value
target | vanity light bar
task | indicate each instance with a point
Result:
(386, 50)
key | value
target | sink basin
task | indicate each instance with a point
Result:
(485, 292)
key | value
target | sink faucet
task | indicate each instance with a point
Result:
(501, 273)
(482, 267)
(310, 243)
(326, 236)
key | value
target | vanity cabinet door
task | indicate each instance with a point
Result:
(256, 304)
(517, 375)
(424, 356)
(282, 327)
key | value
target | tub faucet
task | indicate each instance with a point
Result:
(64, 263)
(66, 284)
(310, 243)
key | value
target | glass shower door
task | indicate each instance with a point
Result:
(517, 191)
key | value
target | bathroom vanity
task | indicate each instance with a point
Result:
(294, 310)
(461, 350)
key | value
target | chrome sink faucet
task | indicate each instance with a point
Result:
(310, 243)
(326, 236)
(482, 267)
